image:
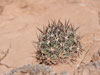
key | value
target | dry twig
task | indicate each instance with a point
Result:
(5, 55)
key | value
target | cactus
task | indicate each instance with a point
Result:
(58, 43)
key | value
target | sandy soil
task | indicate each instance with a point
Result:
(19, 20)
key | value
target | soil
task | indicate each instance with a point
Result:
(19, 20)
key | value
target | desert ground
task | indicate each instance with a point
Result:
(19, 20)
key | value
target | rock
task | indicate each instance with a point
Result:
(32, 70)
(93, 68)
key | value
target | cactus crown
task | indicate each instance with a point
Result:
(57, 42)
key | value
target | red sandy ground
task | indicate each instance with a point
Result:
(19, 20)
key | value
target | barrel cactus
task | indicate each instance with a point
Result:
(58, 43)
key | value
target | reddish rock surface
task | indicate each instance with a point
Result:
(19, 20)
